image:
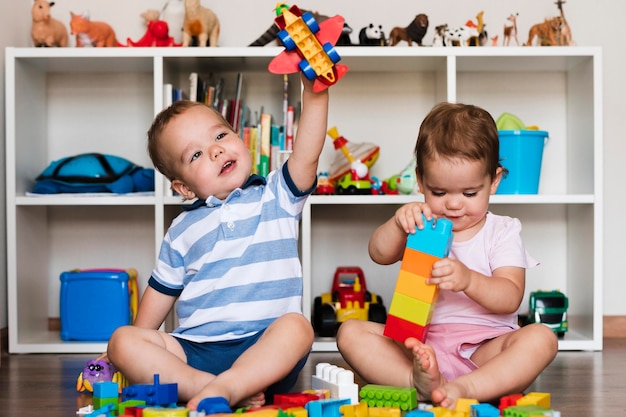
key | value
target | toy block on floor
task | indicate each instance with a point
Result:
(155, 394)
(542, 399)
(337, 380)
(484, 410)
(388, 396)
(414, 300)
(326, 408)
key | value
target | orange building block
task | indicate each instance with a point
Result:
(415, 286)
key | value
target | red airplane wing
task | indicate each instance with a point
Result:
(285, 63)
(330, 30)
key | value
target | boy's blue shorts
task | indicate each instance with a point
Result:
(216, 357)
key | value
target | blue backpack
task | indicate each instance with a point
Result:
(94, 173)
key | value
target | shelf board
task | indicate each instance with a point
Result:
(495, 199)
(50, 342)
(86, 200)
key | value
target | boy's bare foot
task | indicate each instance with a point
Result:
(256, 401)
(426, 376)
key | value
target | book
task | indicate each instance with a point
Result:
(266, 133)
(193, 86)
(168, 95)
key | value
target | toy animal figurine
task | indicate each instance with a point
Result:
(45, 30)
(440, 33)
(344, 38)
(482, 37)
(157, 32)
(460, 36)
(92, 33)
(372, 36)
(414, 32)
(547, 32)
(99, 371)
(510, 30)
(565, 36)
(200, 23)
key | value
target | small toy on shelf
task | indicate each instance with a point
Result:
(309, 46)
(92, 33)
(372, 35)
(366, 153)
(546, 32)
(157, 32)
(549, 308)
(46, 30)
(324, 185)
(99, 371)
(414, 32)
(565, 35)
(349, 299)
(510, 30)
(200, 23)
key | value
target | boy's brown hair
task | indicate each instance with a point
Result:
(161, 161)
(455, 130)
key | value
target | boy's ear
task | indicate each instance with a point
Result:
(496, 180)
(182, 189)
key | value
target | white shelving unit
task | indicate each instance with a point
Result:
(67, 101)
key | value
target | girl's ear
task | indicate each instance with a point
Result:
(496, 180)
(182, 189)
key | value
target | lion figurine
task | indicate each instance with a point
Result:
(547, 32)
(414, 32)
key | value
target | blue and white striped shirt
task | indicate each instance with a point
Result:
(234, 263)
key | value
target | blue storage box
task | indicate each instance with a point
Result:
(96, 302)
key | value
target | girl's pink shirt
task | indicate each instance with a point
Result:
(496, 245)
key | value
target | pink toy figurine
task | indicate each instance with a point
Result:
(47, 31)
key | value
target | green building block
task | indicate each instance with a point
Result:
(387, 396)
(525, 411)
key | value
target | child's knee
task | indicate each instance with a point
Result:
(120, 341)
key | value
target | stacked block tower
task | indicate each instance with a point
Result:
(414, 300)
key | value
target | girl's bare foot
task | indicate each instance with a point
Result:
(446, 395)
(426, 376)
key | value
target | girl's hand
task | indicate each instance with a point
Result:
(450, 274)
(409, 216)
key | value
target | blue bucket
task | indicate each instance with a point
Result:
(521, 152)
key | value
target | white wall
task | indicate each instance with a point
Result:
(242, 21)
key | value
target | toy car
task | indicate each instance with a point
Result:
(549, 308)
(351, 184)
(348, 299)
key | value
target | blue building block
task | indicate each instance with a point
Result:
(155, 394)
(106, 411)
(484, 410)
(326, 408)
(105, 389)
(434, 239)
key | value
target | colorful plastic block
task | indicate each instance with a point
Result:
(326, 408)
(298, 399)
(387, 396)
(419, 413)
(339, 381)
(525, 411)
(99, 402)
(125, 406)
(414, 300)
(165, 412)
(484, 410)
(542, 399)
(155, 394)
(105, 389)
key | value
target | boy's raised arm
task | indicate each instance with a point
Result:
(310, 136)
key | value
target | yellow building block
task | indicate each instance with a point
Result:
(542, 399)
(464, 405)
(411, 309)
(415, 286)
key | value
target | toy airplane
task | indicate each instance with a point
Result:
(309, 46)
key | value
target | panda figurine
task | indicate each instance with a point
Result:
(372, 36)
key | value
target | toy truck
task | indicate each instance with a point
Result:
(549, 308)
(348, 299)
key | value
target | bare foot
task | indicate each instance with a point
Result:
(256, 401)
(426, 376)
(446, 395)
